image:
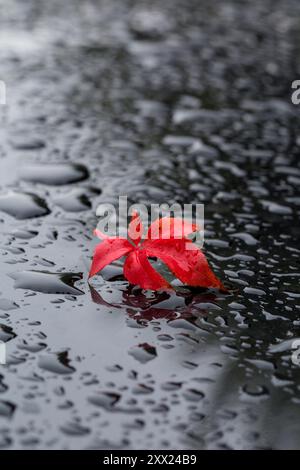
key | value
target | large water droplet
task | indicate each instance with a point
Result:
(143, 352)
(6, 333)
(48, 283)
(23, 205)
(74, 201)
(105, 399)
(254, 392)
(6, 304)
(7, 409)
(54, 174)
(58, 363)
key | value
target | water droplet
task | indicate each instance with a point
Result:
(276, 208)
(74, 429)
(24, 234)
(23, 205)
(143, 352)
(48, 283)
(32, 347)
(246, 238)
(149, 24)
(58, 363)
(105, 399)
(7, 305)
(3, 386)
(142, 389)
(171, 386)
(193, 394)
(6, 333)
(74, 201)
(54, 174)
(253, 291)
(7, 409)
(254, 392)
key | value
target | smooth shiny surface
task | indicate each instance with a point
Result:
(179, 100)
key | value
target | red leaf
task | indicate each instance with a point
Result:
(107, 251)
(168, 242)
(135, 228)
(139, 271)
(189, 265)
(101, 235)
(170, 227)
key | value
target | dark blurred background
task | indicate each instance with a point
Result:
(162, 101)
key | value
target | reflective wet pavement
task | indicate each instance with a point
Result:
(168, 101)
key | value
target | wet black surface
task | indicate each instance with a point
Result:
(168, 101)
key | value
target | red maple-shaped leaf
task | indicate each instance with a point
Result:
(167, 240)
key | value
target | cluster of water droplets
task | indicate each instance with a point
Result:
(162, 105)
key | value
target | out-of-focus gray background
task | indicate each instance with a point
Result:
(186, 101)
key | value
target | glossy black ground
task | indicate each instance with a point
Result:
(186, 101)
